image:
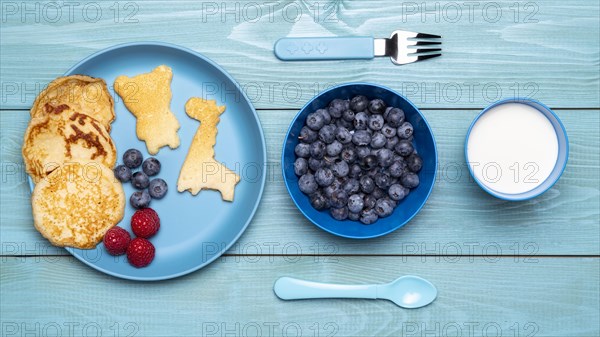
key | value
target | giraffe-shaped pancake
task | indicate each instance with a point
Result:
(200, 169)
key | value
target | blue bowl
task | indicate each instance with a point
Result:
(561, 161)
(408, 208)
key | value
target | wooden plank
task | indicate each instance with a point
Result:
(553, 297)
(458, 219)
(547, 50)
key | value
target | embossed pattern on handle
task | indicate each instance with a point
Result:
(324, 48)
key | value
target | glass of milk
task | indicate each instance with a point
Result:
(516, 149)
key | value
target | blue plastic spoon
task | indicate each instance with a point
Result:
(407, 291)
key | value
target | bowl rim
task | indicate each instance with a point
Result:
(524, 195)
(400, 224)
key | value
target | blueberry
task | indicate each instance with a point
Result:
(157, 188)
(368, 216)
(398, 192)
(404, 148)
(395, 117)
(315, 121)
(318, 201)
(300, 166)
(307, 184)
(140, 199)
(391, 143)
(348, 115)
(343, 135)
(359, 103)
(327, 134)
(409, 180)
(302, 150)
(367, 185)
(378, 140)
(405, 130)
(378, 193)
(388, 131)
(140, 180)
(353, 216)
(355, 203)
(351, 186)
(151, 166)
(362, 152)
(307, 135)
(361, 137)
(324, 176)
(369, 201)
(355, 171)
(348, 155)
(339, 213)
(334, 149)
(360, 121)
(397, 168)
(382, 180)
(384, 207)
(337, 107)
(325, 114)
(385, 157)
(317, 149)
(314, 164)
(132, 158)
(414, 162)
(340, 168)
(341, 123)
(123, 173)
(338, 199)
(375, 122)
(377, 106)
(369, 162)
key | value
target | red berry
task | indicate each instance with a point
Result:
(152, 214)
(143, 224)
(116, 241)
(140, 252)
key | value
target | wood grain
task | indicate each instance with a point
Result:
(553, 297)
(548, 50)
(458, 219)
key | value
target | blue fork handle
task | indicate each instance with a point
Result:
(324, 48)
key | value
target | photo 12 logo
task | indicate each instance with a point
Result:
(68, 11)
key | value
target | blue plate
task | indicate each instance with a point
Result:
(408, 207)
(195, 230)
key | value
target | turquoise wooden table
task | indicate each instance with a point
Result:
(502, 268)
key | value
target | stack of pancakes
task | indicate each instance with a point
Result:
(69, 154)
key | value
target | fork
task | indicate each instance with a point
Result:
(402, 47)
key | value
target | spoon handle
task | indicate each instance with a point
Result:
(288, 288)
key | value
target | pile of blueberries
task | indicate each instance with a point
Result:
(148, 189)
(356, 158)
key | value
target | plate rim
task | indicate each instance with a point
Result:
(196, 54)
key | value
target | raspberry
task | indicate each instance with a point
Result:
(116, 241)
(144, 224)
(140, 252)
(152, 213)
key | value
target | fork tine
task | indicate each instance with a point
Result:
(423, 50)
(426, 43)
(428, 36)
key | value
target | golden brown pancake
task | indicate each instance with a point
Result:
(77, 204)
(84, 94)
(66, 136)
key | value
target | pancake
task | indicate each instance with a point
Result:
(85, 94)
(77, 204)
(54, 139)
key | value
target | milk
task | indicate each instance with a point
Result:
(512, 148)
